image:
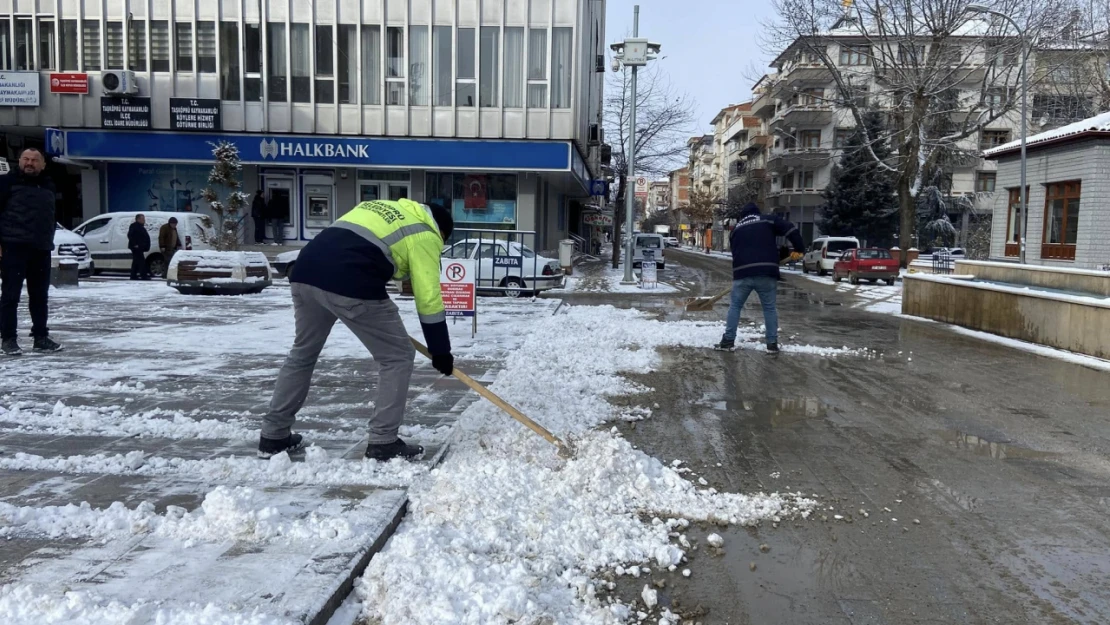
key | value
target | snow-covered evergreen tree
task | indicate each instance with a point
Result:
(225, 178)
(860, 198)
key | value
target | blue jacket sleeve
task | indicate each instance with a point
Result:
(786, 229)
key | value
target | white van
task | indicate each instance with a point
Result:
(106, 237)
(825, 251)
(652, 243)
(70, 245)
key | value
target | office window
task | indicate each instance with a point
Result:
(300, 48)
(136, 45)
(466, 66)
(855, 54)
(159, 46)
(68, 40)
(441, 60)
(206, 47)
(842, 136)
(394, 66)
(277, 72)
(24, 44)
(487, 57)
(47, 44)
(419, 76)
(347, 45)
(183, 36)
(787, 180)
(114, 37)
(90, 45)
(993, 138)
(325, 66)
(1013, 223)
(537, 68)
(810, 138)
(911, 54)
(805, 180)
(252, 62)
(1061, 225)
(514, 68)
(371, 65)
(984, 181)
(230, 69)
(562, 40)
(5, 44)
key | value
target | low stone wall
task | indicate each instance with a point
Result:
(1075, 323)
(1095, 283)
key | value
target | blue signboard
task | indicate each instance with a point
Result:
(599, 188)
(156, 187)
(506, 261)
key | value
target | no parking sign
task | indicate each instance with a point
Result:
(456, 282)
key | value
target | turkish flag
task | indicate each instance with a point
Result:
(477, 192)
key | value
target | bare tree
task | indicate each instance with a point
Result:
(665, 118)
(938, 72)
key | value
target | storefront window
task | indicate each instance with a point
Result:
(476, 200)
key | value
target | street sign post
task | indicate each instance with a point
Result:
(456, 282)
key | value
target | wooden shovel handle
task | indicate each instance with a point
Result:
(495, 400)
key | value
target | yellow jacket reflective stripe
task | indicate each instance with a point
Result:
(409, 237)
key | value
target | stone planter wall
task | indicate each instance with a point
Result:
(219, 273)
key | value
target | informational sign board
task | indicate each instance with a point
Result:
(599, 188)
(69, 82)
(597, 219)
(507, 261)
(19, 88)
(125, 113)
(641, 188)
(194, 114)
(649, 277)
(456, 281)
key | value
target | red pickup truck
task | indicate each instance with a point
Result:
(872, 264)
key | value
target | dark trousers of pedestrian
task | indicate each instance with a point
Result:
(139, 269)
(167, 254)
(277, 228)
(20, 263)
(259, 229)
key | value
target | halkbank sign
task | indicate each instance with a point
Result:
(275, 149)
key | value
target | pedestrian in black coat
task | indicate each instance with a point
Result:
(138, 241)
(258, 214)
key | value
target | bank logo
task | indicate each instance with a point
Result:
(55, 141)
(268, 148)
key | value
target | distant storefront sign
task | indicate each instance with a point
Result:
(69, 82)
(125, 113)
(597, 219)
(194, 114)
(19, 88)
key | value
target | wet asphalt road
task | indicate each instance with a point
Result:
(994, 463)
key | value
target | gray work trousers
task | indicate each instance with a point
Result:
(377, 324)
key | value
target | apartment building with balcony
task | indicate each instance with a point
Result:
(491, 106)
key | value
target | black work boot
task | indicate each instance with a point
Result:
(270, 447)
(772, 348)
(46, 344)
(396, 449)
(11, 347)
(725, 346)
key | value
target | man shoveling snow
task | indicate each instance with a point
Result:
(342, 275)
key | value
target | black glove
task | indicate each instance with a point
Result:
(444, 363)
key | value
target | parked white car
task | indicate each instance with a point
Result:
(825, 251)
(653, 244)
(72, 245)
(508, 265)
(106, 238)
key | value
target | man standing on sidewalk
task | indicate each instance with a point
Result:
(755, 267)
(168, 241)
(341, 275)
(26, 242)
(138, 241)
(258, 215)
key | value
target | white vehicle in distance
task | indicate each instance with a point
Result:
(71, 245)
(670, 241)
(106, 237)
(509, 265)
(653, 244)
(825, 251)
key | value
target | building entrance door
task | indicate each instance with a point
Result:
(370, 191)
(281, 200)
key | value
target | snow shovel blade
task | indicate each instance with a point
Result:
(566, 450)
(705, 303)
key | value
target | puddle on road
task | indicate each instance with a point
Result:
(774, 412)
(982, 447)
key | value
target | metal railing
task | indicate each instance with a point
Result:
(504, 260)
(942, 263)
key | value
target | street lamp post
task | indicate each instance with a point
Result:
(633, 52)
(1023, 214)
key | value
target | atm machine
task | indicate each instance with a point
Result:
(319, 204)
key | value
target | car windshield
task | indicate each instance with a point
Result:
(874, 254)
(841, 246)
(648, 242)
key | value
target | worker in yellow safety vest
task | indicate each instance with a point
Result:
(342, 275)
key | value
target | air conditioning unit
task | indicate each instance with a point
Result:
(119, 82)
(595, 134)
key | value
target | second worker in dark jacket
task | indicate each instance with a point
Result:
(138, 241)
(755, 267)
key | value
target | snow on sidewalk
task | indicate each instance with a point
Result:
(505, 531)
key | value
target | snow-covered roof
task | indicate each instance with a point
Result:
(1099, 123)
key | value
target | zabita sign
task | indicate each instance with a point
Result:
(456, 281)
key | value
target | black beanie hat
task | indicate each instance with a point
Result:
(443, 219)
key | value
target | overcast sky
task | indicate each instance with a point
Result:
(708, 44)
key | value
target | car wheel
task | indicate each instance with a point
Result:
(514, 287)
(891, 281)
(853, 279)
(821, 270)
(836, 277)
(805, 267)
(156, 265)
(93, 271)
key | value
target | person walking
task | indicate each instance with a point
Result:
(169, 242)
(755, 267)
(277, 211)
(138, 241)
(26, 242)
(258, 215)
(341, 275)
